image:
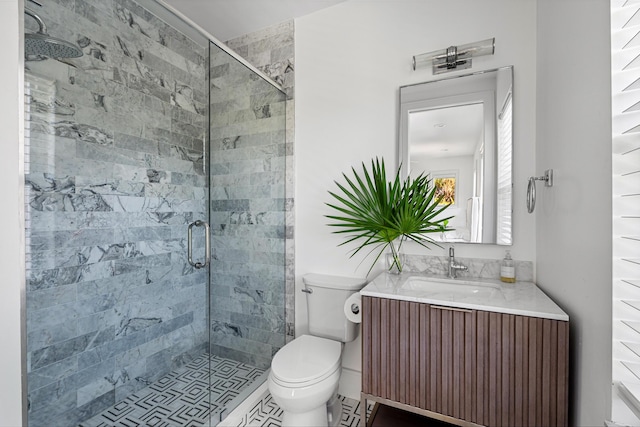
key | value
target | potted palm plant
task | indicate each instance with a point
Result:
(384, 214)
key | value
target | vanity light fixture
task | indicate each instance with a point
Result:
(454, 57)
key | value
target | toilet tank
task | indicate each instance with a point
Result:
(326, 296)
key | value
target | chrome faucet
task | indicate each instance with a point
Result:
(453, 266)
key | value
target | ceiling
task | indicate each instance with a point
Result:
(446, 132)
(227, 19)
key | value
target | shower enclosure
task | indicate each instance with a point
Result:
(154, 149)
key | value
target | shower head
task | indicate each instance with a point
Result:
(41, 44)
(45, 45)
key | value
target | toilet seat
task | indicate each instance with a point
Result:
(305, 361)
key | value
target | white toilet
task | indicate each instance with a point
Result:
(304, 373)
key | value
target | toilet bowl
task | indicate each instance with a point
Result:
(304, 376)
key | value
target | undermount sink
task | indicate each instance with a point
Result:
(451, 288)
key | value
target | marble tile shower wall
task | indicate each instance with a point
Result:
(247, 213)
(115, 172)
(272, 51)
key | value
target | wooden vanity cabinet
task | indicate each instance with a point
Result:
(466, 367)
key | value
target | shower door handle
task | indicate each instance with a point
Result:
(207, 244)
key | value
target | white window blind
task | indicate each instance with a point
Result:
(505, 186)
(625, 88)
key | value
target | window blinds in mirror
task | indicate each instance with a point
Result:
(505, 187)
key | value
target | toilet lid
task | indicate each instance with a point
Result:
(306, 358)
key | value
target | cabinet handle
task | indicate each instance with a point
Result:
(441, 307)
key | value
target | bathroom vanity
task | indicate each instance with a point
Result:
(478, 352)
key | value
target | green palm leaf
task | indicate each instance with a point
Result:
(377, 212)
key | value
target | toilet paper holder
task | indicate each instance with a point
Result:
(353, 308)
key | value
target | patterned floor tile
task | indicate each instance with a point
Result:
(266, 413)
(186, 397)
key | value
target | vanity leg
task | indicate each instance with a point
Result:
(363, 410)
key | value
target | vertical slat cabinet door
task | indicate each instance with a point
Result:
(367, 344)
(546, 372)
(385, 331)
(553, 380)
(423, 359)
(521, 369)
(435, 356)
(534, 345)
(470, 367)
(452, 362)
(394, 380)
(458, 364)
(482, 368)
(508, 373)
(446, 361)
(414, 354)
(377, 350)
(404, 327)
(495, 368)
(562, 395)
(539, 376)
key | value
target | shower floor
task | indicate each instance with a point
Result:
(188, 396)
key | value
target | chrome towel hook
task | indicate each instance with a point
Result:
(531, 188)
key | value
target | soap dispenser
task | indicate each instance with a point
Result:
(507, 269)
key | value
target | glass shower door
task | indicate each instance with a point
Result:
(247, 217)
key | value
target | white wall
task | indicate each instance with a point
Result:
(350, 61)
(11, 261)
(574, 217)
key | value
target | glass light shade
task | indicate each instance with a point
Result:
(454, 57)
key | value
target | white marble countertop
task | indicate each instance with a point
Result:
(521, 298)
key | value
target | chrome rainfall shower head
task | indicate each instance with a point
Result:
(45, 45)
(40, 44)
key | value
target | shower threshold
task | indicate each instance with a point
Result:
(200, 391)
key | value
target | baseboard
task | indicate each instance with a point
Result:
(350, 384)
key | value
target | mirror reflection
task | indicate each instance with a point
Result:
(459, 131)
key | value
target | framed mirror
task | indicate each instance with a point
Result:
(459, 130)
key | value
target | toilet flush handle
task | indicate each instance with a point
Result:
(307, 290)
